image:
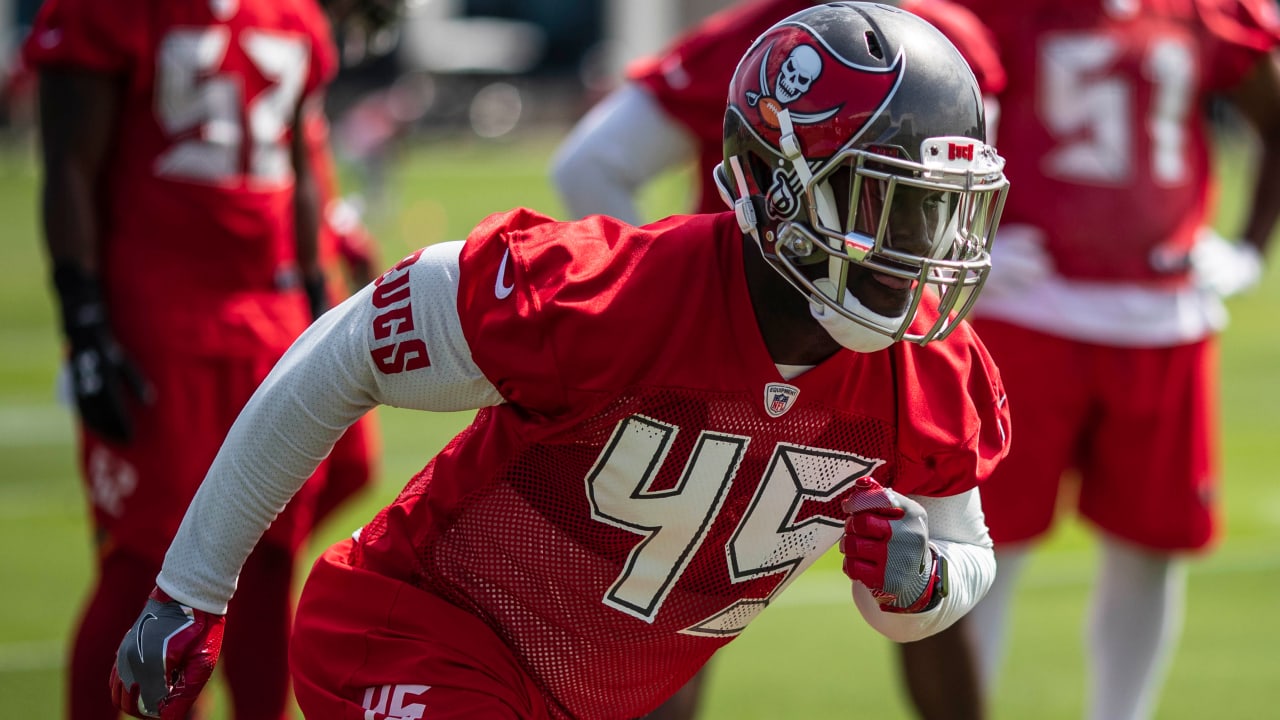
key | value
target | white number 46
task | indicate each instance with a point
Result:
(769, 539)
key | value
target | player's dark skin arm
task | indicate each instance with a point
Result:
(78, 115)
(941, 674)
(306, 210)
(1258, 100)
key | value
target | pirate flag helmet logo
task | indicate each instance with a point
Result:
(841, 119)
(798, 72)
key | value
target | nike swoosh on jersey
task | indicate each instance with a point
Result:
(501, 291)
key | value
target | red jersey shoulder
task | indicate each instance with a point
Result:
(304, 18)
(500, 302)
(107, 37)
(1230, 18)
(953, 423)
(547, 305)
(324, 52)
(120, 36)
(1236, 34)
(540, 258)
(971, 37)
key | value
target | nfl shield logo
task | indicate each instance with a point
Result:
(778, 398)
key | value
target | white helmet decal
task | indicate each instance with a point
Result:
(797, 73)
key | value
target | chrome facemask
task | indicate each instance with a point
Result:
(954, 200)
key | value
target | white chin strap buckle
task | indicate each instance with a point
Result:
(745, 211)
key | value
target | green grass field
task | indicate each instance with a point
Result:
(808, 657)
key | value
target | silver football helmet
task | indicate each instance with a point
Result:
(854, 156)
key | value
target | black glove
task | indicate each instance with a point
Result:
(101, 374)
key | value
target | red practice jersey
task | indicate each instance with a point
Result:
(690, 80)
(197, 217)
(651, 476)
(1103, 124)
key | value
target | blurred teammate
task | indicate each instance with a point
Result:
(669, 110)
(649, 468)
(180, 214)
(1102, 308)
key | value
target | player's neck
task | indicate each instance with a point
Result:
(790, 333)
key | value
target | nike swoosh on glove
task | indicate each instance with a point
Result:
(886, 548)
(165, 659)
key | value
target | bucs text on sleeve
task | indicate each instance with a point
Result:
(394, 350)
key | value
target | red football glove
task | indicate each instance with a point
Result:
(886, 548)
(165, 659)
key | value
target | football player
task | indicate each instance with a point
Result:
(674, 420)
(669, 111)
(180, 216)
(1104, 304)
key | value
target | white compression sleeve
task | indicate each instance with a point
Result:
(958, 532)
(325, 382)
(622, 143)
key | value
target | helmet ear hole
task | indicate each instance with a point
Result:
(873, 45)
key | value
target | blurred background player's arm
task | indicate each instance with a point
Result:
(307, 212)
(1229, 268)
(78, 114)
(1258, 100)
(625, 141)
(345, 246)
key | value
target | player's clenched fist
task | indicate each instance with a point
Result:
(886, 548)
(165, 659)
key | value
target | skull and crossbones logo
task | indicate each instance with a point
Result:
(796, 75)
(798, 72)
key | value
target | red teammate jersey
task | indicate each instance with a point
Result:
(652, 477)
(690, 80)
(197, 220)
(1102, 123)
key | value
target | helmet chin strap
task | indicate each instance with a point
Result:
(743, 209)
(790, 146)
(837, 268)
